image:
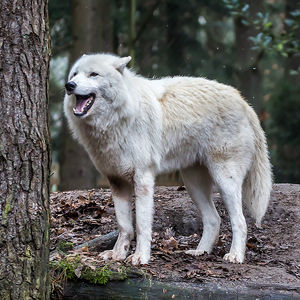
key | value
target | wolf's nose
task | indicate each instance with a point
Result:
(70, 86)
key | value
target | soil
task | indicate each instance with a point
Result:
(272, 255)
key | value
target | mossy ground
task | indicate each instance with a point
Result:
(272, 251)
(75, 269)
(80, 268)
(64, 246)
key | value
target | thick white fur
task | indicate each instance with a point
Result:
(139, 127)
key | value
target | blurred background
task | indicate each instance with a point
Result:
(251, 45)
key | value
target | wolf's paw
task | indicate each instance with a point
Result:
(137, 259)
(106, 255)
(195, 252)
(234, 258)
(112, 254)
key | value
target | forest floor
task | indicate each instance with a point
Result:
(272, 254)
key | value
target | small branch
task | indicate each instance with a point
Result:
(101, 243)
(252, 65)
(145, 22)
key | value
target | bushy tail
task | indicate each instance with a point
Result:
(257, 185)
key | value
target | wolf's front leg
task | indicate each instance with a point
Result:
(144, 185)
(121, 194)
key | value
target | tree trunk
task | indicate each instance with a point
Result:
(107, 26)
(24, 150)
(132, 33)
(249, 76)
(76, 169)
(175, 37)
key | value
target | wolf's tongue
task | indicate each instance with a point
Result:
(80, 104)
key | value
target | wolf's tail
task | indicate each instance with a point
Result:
(257, 185)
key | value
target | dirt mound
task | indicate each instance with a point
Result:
(272, 255)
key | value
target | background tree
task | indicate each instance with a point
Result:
(277, 38)
(24, 150)
(248, 60)
(284, 104)
(76, 169)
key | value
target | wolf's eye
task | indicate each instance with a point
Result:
(74, 74)
(93, 74)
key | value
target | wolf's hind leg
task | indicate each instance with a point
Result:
(229, 177)
(199, 185)
(121, 194)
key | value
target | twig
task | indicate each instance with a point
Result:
(146, 22)
(101, 243)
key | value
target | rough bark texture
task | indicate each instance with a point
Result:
(76, 168)
(24, 150)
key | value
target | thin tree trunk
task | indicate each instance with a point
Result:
(175, 38)
(132, 33)
(24, 150)
(107, 26)
(249, 76)
(76, 168)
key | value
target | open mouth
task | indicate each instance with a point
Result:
(83, 104)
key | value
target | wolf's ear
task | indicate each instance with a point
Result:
(121, 63)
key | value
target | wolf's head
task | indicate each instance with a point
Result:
(96, 85)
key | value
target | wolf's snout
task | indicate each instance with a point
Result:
(70, 86)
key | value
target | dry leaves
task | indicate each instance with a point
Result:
(83, 215)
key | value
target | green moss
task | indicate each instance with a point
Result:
(122, 274)
(47, 235)
(98, 276)
(7, 208)
(66, 267)
(65, 246)
(72, 268)
(28, 254)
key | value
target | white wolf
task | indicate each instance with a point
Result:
(134, 128)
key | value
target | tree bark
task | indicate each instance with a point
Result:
(76, 169)
(24, 150)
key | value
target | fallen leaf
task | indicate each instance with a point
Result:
(78, 271)
(171, 243)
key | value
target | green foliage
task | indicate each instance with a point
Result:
(269, 39)
(66, 267)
